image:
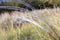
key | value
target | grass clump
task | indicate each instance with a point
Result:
(27, 25)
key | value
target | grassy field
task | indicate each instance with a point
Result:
(32, 25)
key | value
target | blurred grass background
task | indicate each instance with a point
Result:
(36, 3)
